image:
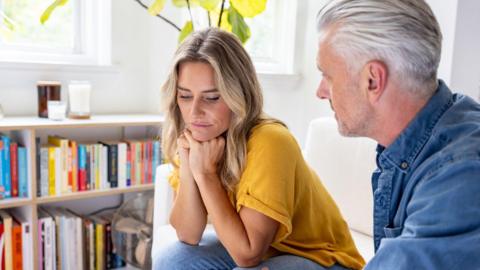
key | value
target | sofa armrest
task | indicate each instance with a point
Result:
(163, 196)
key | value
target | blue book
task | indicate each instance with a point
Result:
(7, 178)
(156, 158)
(2, 186)
(22, 172)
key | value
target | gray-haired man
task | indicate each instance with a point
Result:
(379, 61)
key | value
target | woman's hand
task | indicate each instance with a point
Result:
(204, 156)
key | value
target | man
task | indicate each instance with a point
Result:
(379, 61)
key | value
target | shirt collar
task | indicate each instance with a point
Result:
(403, 151)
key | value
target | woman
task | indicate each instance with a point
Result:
(242, 169)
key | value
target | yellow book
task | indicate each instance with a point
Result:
(51, 171)
(63, 144)
(99, 244)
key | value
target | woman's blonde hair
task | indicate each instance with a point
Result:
(235, 79)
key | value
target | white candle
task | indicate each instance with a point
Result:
(79, 97)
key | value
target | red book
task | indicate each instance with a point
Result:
(2, 237)
(14, 168)
(17, 245)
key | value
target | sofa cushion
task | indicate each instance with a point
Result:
(344, 166)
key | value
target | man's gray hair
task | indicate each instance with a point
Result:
(404, 34)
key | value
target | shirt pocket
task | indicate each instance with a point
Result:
(392, 232)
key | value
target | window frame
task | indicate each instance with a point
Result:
(92, 40)
(282, 60)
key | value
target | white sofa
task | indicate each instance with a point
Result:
(344, 166)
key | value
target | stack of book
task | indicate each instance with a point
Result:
(69, 241)
(13, 169)
(65, 166)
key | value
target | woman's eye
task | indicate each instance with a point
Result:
(185, 97)
(212, 98)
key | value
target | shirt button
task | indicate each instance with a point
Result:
(404, 165)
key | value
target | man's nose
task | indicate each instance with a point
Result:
(323, 92)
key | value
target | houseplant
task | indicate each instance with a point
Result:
(226, 14)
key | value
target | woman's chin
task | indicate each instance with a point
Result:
(202, 137)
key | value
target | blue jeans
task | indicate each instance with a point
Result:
(211, 255)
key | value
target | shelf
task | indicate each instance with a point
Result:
(14, 202)
(93, 194)
(23, 122)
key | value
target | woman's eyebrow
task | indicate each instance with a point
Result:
(205, 91)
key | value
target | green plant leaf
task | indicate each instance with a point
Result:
(186, 30)
(183, 3)
(156, 7)
(249, 8)
(225, 25)
(209, 5)
(46, 14)
(239, 26)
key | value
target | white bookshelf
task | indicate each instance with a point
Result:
(100, 127)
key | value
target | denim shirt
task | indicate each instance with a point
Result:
(427, 189)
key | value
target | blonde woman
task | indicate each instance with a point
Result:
(242, 169)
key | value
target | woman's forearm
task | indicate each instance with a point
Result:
(188, 215)
(246, 247)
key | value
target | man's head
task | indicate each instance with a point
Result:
(368, 46)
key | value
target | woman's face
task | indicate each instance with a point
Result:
(204, 111)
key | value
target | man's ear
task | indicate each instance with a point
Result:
(375, 76)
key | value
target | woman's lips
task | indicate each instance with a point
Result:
(200, 125)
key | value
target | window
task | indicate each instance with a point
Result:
(77, 33)
(272, 40)
(273, 37)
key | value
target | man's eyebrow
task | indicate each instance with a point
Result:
(188, 90)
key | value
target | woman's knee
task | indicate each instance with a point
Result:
(173, 256)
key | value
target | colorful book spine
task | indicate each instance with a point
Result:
(74, 164)
(38, 167)
(6, 167)
(44, 174)
(22, 172)
(82, 167)
(2, 186)
(17, 259)
(14, 169)
(51, 171)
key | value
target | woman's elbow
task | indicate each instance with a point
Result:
(247, 261)
(191, 240)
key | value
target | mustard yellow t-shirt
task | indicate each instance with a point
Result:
(278, 183)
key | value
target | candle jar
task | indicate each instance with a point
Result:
(79, 100)
(47, 90)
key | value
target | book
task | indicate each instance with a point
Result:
(17, 261)
(51, 171)
(22, 172)
(39, 166)
(6, 177)
(122, 164)
(8, 224)
(27, 240)
(63, 160)
(14, 169)
(44, 174)
(112, 162)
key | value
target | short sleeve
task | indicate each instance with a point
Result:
(174, 179)
(267, 184)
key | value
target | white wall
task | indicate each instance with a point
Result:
(141, 47)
